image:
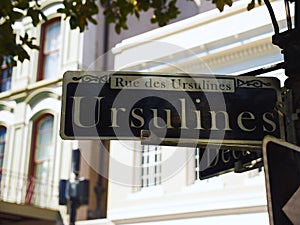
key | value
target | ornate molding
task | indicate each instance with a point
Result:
(92, 79)
(204, 60)
(252, 83)
(231, 55)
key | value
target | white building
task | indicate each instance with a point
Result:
(159, 185)
(33, 158)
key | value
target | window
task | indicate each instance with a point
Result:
(197, 164)
(151, 165)
(41, 159)
(50, 50)
(2, 147)
(5, 78)
(43, 147)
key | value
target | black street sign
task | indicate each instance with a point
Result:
(214, 161)
(170, 108)
(282, 172)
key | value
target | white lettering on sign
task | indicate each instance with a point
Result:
(219, 120)
(173, 84)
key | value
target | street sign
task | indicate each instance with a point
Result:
(214, 161)
(292, 208)
(282, 172)
(170, 108)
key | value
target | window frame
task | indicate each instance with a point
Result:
(151, 158)
(35, 137)
(33, 181)
(42, 55)
(9, 69)
(197, 164)
(2, 142)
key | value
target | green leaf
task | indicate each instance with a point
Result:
(228, 2)
(220, 4)
(118, 28)
(251, 5)
(33, 46)
(22, 4)
(28, 41)
(61, 10)
(136, 13)
(22, 54)
(44, 17)
(73, 22)
(5, 8)
(34, 14)
(14, 16)
(103, 2)
(92, 20)
(82, 24)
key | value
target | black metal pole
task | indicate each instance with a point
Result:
(297, 87)
(297, 15)
(106, 35)
(73, 203)
(290, 43)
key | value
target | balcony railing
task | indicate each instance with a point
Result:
(20, 189)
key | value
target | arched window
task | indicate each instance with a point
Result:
(41, 159)
(50, 49)
(43, 146)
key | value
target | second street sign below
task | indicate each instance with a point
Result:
(170, 108)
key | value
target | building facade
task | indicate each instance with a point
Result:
(33, 157)
(160, 185)
(146, 184)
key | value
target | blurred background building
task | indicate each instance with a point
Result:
(155, 188)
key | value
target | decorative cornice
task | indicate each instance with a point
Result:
(237, 55)
(40, 94)
(206, 59)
